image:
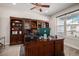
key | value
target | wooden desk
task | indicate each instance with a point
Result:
(45, 48)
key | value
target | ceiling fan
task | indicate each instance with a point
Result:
(39, 6)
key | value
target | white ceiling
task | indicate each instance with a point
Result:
(54, 7)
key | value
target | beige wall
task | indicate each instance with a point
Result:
(69, 41)
(6, 12)
(53, 18)
(0, 28)
(52, 24)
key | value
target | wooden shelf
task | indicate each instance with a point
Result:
(23, 25)
(16, 31)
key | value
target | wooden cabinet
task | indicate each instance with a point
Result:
(59, 47)
(39, 48)
(32, 26)
(20, 27)
(13, 40)
(16, 31)
(45, 48)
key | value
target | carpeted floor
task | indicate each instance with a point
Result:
(69, 51)
(18, 50)
(10, 51)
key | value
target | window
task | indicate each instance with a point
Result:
(72, 25)
(60, 26)
(68, 25)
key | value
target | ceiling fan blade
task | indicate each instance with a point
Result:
(32, 8)
(45, 6)
(39, 4)
(35, 3)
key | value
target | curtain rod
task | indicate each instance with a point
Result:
(68, 13)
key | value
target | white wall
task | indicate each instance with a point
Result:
(6, 12)
(72, 42)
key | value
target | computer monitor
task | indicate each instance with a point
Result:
(43, 31)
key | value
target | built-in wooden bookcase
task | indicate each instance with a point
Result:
(16, 31)
(20, 27)
(33, 25)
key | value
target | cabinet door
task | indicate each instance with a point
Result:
(20, 39)
(40, 49)
(59, 48)
(51, 48)
(14, 39)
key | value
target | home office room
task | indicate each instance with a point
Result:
(39, 29)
